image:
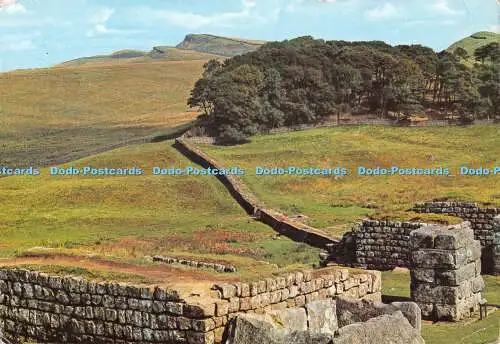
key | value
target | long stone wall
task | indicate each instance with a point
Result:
(67, 309)
(372, 244)
(481, 219)
(279, 222)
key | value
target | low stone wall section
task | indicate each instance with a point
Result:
(195, 264)
(372, 244)
(67, 309)
(481, 219)
(279, 222)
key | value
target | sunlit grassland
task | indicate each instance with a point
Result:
(134, 216)
(65, 113)
(337, 202)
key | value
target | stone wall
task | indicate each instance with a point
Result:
(381, 245)
(67, 309)
(481, 220)
(294, 230)
(195, 264)
(293, 290)
(446, 279)
(496, 246)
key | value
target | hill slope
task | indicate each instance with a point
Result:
(133, 56)
(61, 114)
(129, 217)
(474, 41)
(334, 203)
(224, 46)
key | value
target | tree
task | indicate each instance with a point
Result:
(305, 81)
(461, 53)
(490, 51)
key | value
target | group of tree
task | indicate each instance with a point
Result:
(304, 81)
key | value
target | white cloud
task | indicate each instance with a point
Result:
(99, 21)
(443, 7)
(195, 21)
(495, 28)
(16, 42)
(11, 7)
(386, 11)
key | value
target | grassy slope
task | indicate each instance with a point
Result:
(130, 217)
(474, 41)
(224, 46)
(67, 113)
(336, 203)
(124, 57)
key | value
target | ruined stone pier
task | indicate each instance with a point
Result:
(446, 279)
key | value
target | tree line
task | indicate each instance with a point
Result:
(306, 80)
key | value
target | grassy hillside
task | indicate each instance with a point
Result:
(61, 114)
(335, 203)
(219, 45)
(474, 41)
(127, 218)
(123, 57)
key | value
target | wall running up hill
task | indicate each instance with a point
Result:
(279, 222)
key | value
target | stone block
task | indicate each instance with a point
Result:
(294, 318)
(322, 316)
(379, 330)
(199, 309)
(431, 258)
(426, 293)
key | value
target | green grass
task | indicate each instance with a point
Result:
(65, 113)
(474, 41)
(397, 283)
(130, 217)
(335, 203)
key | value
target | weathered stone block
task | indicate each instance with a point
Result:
(294, 318)
(322, 316)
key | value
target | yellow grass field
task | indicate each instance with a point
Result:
(61, 114)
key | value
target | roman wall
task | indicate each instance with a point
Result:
(279, 222)
(66, 309)
(372, 244)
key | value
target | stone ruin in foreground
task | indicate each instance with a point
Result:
(444, 262)
(340, 321)
(446, 279)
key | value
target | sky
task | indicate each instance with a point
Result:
(41, 33)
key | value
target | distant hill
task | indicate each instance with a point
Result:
(474, 41)
(130, 56)
(224, 46)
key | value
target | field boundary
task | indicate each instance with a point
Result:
(279, 222)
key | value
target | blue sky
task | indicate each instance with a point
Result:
(40, 33)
